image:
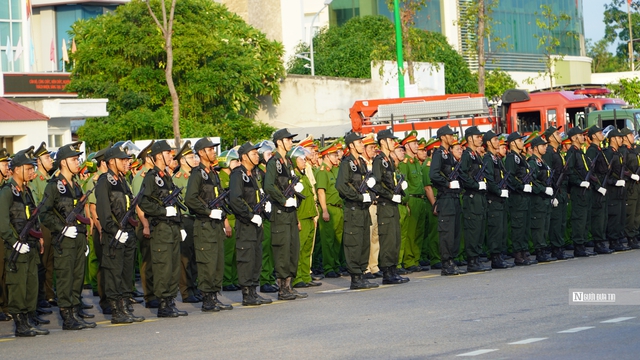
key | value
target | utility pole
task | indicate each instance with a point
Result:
(396, 10)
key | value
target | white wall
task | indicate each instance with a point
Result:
(613, 78)
(24, 133)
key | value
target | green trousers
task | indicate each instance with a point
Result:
(402, 210)
(616, 214)
(414, 222)
(93, 265)
(356, 237)
(432, 243)
(146, 266)
(307, 235)
(285, 242)
(69, 266)
(96, 239)
(449, 210)
(230, 265)
(580, 214)
(3, 285)
(165, 258)
(188, 267)
(22, 285)
(540, 211)
(45, 269)
(248, 253)
(331, 238)
(388, 233)
(519, 221)
(209, 240)
(496, 226)
(474, 215)
(266, 274)
(118, 266)
(632, 211)
(558, 220)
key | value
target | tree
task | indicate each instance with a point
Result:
(222, 67)
(603, 60)
(498, 82)
(348, 50)
(167, 32)
(617, 27)
(553, 26)
(628, 90)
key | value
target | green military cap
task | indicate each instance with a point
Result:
(282, 134)
(23, 157)
(472, 130)
(445, 130)
(625, 131)
(69, 150)
(488, 136)
(204, 143)
(159, 147)
(4, 155)
(184, 150)
(537, 141)
(385, 134)
(550, 130)
(574, 131)
(514, 136)
(116, 152)
(529, 138)
(41, 150)
(146, 150)
(247, 147)
(351, 137)
(98, 155)
(410, 136)
(594, 129)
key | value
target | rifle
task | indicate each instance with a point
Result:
(480, 175)
(503, 183)
(527, 178)
(27, 230)
(363, 185)
(258, 209)
(175, 199)
(127, 218)
(453, 175)
(562, 174)
(398, 189)
(220, 202)
(621, 176)
(73, 217)
(590, 172)
(549, 179)
(290, 191)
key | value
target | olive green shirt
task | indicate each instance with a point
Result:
(412, 171)
(38, 185)
(326, 180)
(307, 208)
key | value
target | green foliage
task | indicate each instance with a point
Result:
(628, 90)
(222, 67)
(603, 60)
(348, 50)
(497, 83)
(469, 20)
(617, 27)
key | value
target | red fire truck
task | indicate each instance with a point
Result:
(516, 110)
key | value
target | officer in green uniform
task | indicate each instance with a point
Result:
(285, 237)
(45, 268)
(388, 217)
(447, 204)
(474, 200)
(245, 194)
(69, 258)
(228, 161)
(616, 191)
(267, 276)
(497, 196)
(188, 268)
(632, 208)
(306, 216)
(143, 232)
(415, 197)
(578, 191)
(330, 224)
(541, 199)
(431, 231)
(204, 187)
(598, 214)
(357, 220)
(4, 178)
(519, 181)
(16, 207)
(166, 229)
(113, 199)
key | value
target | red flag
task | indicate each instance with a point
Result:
(28, 9)
(52, 51)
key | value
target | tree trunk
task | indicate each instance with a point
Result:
(480, 35)
(168, 72)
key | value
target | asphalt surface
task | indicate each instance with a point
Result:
(521, 313)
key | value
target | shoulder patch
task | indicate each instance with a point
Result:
(353, 166)
(41, 177)
(15, 190)
(111, 179)
(159, 181)
(385, 163)
(516, 158)
(61, 187)
(204, 174)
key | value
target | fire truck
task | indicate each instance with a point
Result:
(517, 110)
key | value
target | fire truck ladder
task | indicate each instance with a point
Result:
(452, 108)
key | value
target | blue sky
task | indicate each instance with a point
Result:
(593, 12)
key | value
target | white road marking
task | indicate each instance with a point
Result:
(575, 330)
(617, 320)
(527, 341)
(478, 352)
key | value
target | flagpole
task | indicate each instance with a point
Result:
(630, 36)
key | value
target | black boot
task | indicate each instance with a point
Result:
(32, 319)
(247, 297)
(623, 247)
(5, 317)
(260, 299)
(394, 273)
(165, 309)
(356, 282)
(388, 278)
(541, 256)
(522, 260)
(83, 314)
(117, 316)
(76, 314)
(449, 268)
(123, 306)
(633, 243)
(298, 295)
(284, 293)
(23, 329)
(219, 303)
(475, 266)
(581, 251)
(37, 320)
(559, 254)
(172, 304)
(85, 306)
(456, 268)
(497, 262)
(69, 321)
(207, 303)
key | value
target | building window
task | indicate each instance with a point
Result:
(55, 141)
(11, 28)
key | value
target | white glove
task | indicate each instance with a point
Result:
(216, 214)
(454, 184)
(366, 198)
(257, 219)
(527, 188)
(70, 232)
(554, 202)
(602, 191)
(171, 211)
(585, 184)
(298, 187)
(504, 193)
(183, 233)
(620, 183)
(267, 207)
(482, 185)
(291, 202)
(122, 236)
(635, 177)
(21, 249)
(371, 182)
(397, 198)
(404, 185)
(86, 252)
(548, 191)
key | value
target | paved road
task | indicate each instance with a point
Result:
(476, 315)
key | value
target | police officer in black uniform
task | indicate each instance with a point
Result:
(598, 215)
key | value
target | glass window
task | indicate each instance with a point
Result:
(16, 10)
(4, 10)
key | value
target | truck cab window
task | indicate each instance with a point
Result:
(529, 121)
